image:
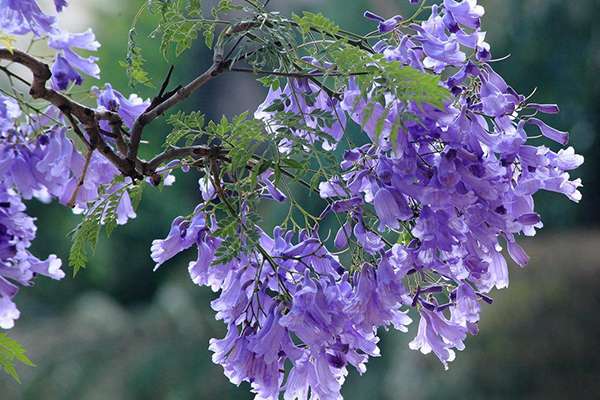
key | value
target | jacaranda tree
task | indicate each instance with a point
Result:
(439, 183)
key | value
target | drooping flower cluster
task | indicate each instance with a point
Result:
(295, 304)
(425, 207)
(458, 180)
(68, 63)
(17, 265)
(38, 159)
(452, 187)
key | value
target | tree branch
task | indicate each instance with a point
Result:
(219, 65)
(174, 153)
(151, 114)
(41, 74)
(87, 116)
(296, 74)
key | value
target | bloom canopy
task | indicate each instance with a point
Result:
(427, 201)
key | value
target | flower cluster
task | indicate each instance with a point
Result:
(293, 302)
(451, 186)
(458, 181)
(426, 205)
(38, 159)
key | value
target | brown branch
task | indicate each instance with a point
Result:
(196, 152)
(41, 75)
(296, 74)
(117, 132)
(81, 181)
(151, 114)
(86, 116)
(220, 64)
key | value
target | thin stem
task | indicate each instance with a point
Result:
(17, 77)
(295, 74)
(81, 181)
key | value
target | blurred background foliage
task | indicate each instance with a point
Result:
(120, 331)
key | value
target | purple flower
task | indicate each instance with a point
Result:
(545, 108)
(497, 97)
(202, 271)
(389, 210)
(182, 236)
(235, 354)
(439, 335)
(9, 112)
(465, 12)
(385, 25)
(517, 253)
(207, 189)
(128, 109)
(440, 48)
(567, 160)
(304, 98)
(274, 193)
(8, 313)
(369, 241)
(378, 297)
(65, 42)
(23, 16)
(50, 267)
(18, 267)
(125, 209)
(63, 74)
(100, 174)
(466, 309)
(60, 4)
(549, 132)
(343, 235)
(54, 168)
(331, 188)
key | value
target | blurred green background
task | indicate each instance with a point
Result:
(120, 331)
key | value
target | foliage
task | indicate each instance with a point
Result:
(186, 127)
(103, 214)
(443, 176)
(10, 352)
(316, 22)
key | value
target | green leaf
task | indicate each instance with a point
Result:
(136, 194)
(290, 162)
(315, 22)
(208, 30)
(11, 351)
(101, 214)
(405, 83)
(84, 237)
(241, 136)
(269, 81)
(185, 126)
(134, 63)
(222, 7)
(181, 23)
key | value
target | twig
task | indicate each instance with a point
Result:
(81, 181)
(181, 152)
(162, 96)
(295, 74)
(78, 131)
(17, 77)
(87, 116)
(218, 66)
